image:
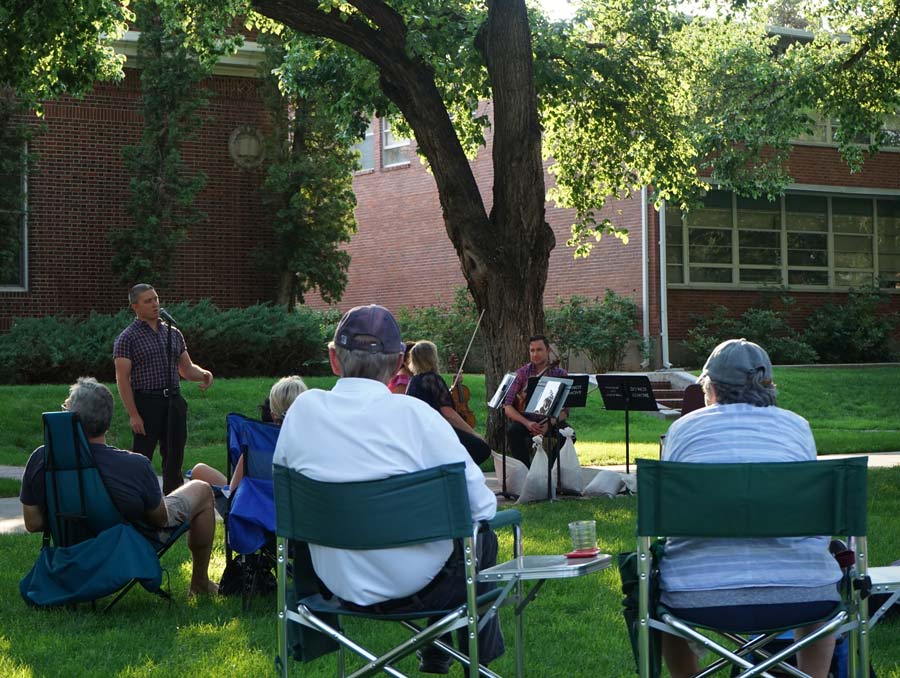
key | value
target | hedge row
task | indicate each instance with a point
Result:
(262, 340)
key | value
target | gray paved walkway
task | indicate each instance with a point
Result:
(11, 510)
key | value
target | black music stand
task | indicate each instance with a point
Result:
(496, 403)
(547, 397)
(628, 392)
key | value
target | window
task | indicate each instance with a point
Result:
(802, 240)
(889, 243)
(393, 149)
(366, 149)
(13, 243)
(824, 131)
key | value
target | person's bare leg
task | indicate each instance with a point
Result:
(208, 475)
(815, 659)
(680, 659)
(238, 474)
(200, 535)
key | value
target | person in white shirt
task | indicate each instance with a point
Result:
(359, 431)
(745, 583)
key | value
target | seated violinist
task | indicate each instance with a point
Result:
(426, 384)
(523, 427)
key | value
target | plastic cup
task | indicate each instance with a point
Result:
(584, 534)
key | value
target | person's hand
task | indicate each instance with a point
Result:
(535, 428)
(137, 424)
(207, 380)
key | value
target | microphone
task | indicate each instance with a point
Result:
(164, 314)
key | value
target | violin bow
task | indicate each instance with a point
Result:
(468, 348)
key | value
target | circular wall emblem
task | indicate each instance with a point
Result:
(246, 146)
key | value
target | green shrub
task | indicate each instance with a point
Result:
(449, 328)
(854, 332)
(261, 340)
(601, 329)
(765, 326)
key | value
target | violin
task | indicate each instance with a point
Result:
(521, 399)
(461, 397)
(458, 391)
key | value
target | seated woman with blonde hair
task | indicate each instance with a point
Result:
(429, 386)
(281, 396)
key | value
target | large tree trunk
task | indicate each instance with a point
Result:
(504, 255)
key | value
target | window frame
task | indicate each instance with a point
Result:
(23, 230)
(402, 143)
(683, 267)
(368, 139)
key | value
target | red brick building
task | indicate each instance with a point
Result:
(832, 230)
(80, 190)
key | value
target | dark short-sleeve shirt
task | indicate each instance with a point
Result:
(146, 349)
(523, 374)
(129, 479)
(430, 387)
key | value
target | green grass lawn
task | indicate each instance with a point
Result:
(9, 487)
(850, 410)
(573, 629)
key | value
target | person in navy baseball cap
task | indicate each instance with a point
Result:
(369, 328)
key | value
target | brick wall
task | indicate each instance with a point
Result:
(402, 255)
(80, 192)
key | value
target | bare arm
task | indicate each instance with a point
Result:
(34, 518)
(158, 517)
(455, 420)
(123, 383)
(534, 427)
(189, 370)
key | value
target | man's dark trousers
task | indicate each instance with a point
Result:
(160, 412)
(520, 441)
(450, 592)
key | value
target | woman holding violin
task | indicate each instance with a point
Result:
(427, 385)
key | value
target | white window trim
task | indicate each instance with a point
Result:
(385, 129)
(830, 191)
(830, 125)
(368, 138)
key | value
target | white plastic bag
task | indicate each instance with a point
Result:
(571, 479)
(605, 484)
(515, 473)
(535, 488)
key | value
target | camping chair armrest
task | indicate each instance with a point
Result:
(505, 518)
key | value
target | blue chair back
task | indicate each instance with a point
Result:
(253, 439)
(78, 504)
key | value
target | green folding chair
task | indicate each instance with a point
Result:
(402, 510)
(795, 499)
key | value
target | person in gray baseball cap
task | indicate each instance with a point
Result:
(360, 431)
(718, 582)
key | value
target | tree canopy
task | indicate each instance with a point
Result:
(630, 93)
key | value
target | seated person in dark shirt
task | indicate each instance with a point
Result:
(429, 386)
(132, 484)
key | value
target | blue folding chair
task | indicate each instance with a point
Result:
(250, 519)
(89, 550)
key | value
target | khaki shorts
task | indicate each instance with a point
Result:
(178, 510)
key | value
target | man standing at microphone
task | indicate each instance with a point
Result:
(150, 355)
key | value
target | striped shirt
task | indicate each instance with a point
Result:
(743, 433)
(146, 349)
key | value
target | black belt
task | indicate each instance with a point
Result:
(160, 392)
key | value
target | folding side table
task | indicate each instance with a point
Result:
(538, 569)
